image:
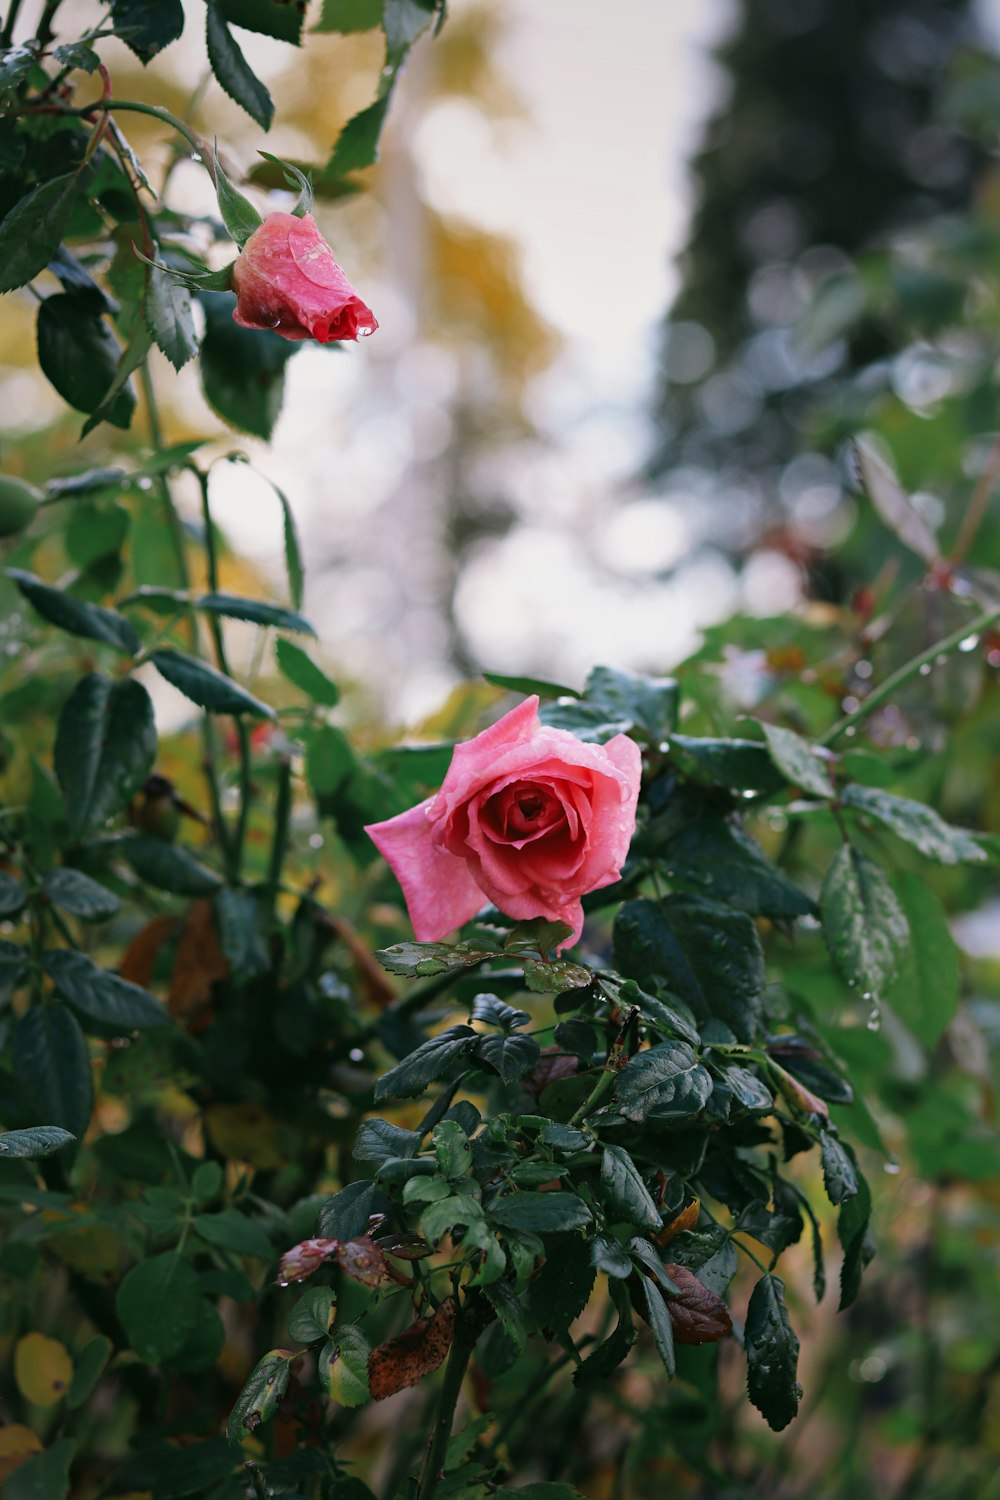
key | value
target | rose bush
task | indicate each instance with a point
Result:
(287, 279)
(528, 817)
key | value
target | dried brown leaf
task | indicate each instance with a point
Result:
(414, 1353)
(198, 964)
(142, 952)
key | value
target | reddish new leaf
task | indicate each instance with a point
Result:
(698, 1315)
(305, 1258)
(362, 1260)
(418, 1350)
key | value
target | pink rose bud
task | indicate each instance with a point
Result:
(287, 280)
(527, 817)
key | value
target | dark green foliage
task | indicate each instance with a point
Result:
(772, 1354)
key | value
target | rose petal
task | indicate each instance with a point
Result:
(439, 889)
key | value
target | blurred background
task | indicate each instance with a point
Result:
(622, 316)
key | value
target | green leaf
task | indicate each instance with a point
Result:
(343, 1366)
(79, 895)
(710, 955)
(258, 1401)
(452, 1150)
(772, 1354)
(159, 1304)
(303, 672)
(747, 1088)
(13, 969)
(511, 1055)
(238, 214)
(205, 686)
(433, 1059)
(925, 993)
(743, 765)
(493, 1011)
(916, 824)
(606, 1358)
(530, 685)
(147, 26)
(610, 1257)
(105, 748)
(854, 1234)
(720, 859)
(665, 1082)
(169, 317)
(32, 231)
(626, 1195)
(424, 959)
(349, 15)
(77, 55)
(90, 1365)
(275, 18)
(660, 1325)
(795, 759)
(16, 64)
(231, 1230)
(839, 1177)
(312, 1315)
(52, 1067)
(329, 760)
(357, 144)
(863, 923)
(13, 896)
(242, 369)
(403, 21)
(379, 1141)
(101, 996)
(617, 703)
(233, 607)
(129, 359)
(75, 616)
(78, 354)
(540, 1213)
(560, 1291)
(242, 926)
(168, 867)
(45, 1476)
(36, 1141)
(232, 69)
(345, 1215)
(544, 978)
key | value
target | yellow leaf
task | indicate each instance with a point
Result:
(42, 1369)
(17, 1443)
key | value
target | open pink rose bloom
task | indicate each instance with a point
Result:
(287, 280)
(527, 817)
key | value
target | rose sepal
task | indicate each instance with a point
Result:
(197, 281)
(238, 213)
(295, 178)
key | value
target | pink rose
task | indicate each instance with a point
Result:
(286, 279)
(527, 817)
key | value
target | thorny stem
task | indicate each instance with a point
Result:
(910, 669)
(175, 529)
(279, 846)
(454, 1375)
(235, 849)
